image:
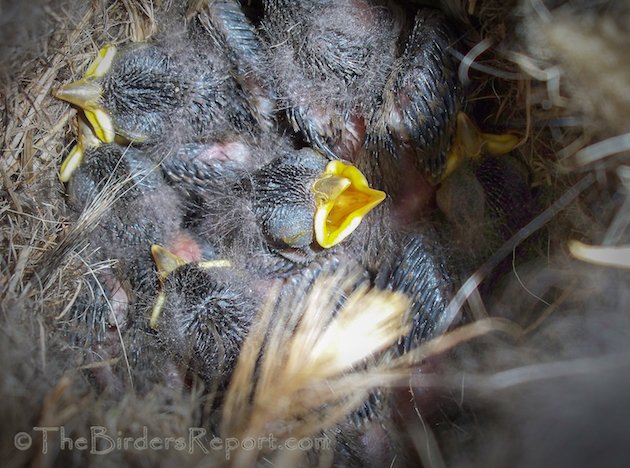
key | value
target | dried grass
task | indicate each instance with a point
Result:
(536, 86)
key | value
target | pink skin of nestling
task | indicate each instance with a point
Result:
(416, 196)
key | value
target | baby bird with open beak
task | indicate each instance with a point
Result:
(182, 86)
(419, 134)
(286, 211)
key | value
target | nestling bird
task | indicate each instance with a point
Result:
(95, 322)
(195, 167)
(203, 313)
(329, 60)
(422, 96)
(287, 210)
(145, 209)
(204, 309)
(136, 208)
(233, 33)
(485, 202)
(182, 88)
(420, 124)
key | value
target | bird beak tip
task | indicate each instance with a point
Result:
(343, 200)
(165, 261)
(70, 164)
(82, 93)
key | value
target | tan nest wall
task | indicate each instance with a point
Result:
(560, 75)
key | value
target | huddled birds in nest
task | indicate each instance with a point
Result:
(247, 153)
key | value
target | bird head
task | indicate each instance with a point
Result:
(87, 92)
(302, 197)
(203, 312)
(167, 263)
(132, 92)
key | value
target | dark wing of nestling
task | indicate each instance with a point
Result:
(422, 96)
(420, 272)
(233, 31)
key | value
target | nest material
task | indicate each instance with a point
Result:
(560, 74)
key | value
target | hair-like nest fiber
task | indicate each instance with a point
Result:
(538, 373)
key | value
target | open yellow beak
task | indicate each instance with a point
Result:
(471, 143)
(86, 94)
(342, 198)
(86, 140)
(166, 263)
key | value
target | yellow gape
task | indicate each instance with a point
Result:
(166, 263)
(86, 94)
(342, 198)
(472, 143)
(85, 140)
